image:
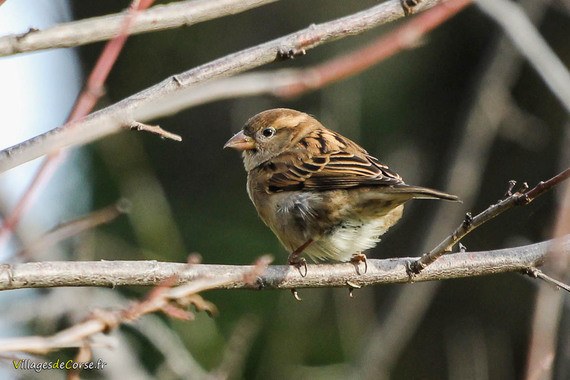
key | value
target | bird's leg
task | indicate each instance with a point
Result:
(358, 258)
(297, 261)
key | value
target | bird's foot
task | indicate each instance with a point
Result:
(358, 258)
(298, 262)
(409, 5)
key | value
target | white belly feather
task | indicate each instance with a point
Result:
(294, 218)
(353, 236)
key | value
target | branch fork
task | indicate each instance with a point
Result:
(521, 197)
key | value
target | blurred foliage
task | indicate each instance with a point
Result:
(408, 111)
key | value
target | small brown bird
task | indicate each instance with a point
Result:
(319, 192)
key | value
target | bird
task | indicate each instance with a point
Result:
(322, 195)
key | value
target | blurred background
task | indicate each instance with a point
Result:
(462, 113)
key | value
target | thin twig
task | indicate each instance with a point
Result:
(140, 106)
(519, 198)
(160, 17)
(387, 271)
(537, 273)
(548, 310)
(77, 335)
(156, 129)
(94, 87)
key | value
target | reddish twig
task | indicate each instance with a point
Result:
(83, 105)
(94, 86)
(167, 298)
(403, 37)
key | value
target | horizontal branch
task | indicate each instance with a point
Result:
(161, 17)
(139, 107)
(386, 271)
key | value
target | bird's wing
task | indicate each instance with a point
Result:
(325, 160)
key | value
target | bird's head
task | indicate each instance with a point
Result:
(270, 133)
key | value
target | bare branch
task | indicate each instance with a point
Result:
(470, 222)
(161, 17)
(404, 37)
(121, 273)
(287, 83)
(528, 40)
(388, 338)
(140, 106)
(549, 310)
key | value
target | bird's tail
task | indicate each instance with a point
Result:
(418, 192)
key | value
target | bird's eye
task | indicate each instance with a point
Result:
(268, 132)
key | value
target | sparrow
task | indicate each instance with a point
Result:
(320, 193)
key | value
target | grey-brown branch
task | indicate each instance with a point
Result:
(141, 107)
(159, 17)
(120, 273)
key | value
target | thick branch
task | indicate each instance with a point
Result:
(139, 107)
(120, 273)
(161, 17)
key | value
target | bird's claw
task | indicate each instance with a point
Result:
(351, 287)
(358, 258)
(284, 54)
(411, 270)
(295, 294)
(409, 5)
(298, 262)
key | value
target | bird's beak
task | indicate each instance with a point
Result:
(240, 142)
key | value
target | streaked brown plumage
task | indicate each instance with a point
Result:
(319, 192)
